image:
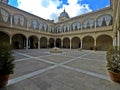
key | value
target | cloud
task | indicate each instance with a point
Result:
(45, 3)
(48, 9)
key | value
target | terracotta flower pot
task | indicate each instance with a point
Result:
(114, 76)
(4, 80)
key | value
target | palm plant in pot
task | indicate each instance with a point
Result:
(113, 63)
(6, 64)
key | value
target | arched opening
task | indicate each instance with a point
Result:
(66, 43)
(75, 43)
(4, 38)
(19, 41)
(33, 42)
(58, 42)
(43, 42)
(103, 42)
(88, 43)
(51, 43)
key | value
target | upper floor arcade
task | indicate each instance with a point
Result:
(93, 21)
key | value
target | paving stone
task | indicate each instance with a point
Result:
(64, 87)
(89, 65)
(70, 70)
(28, 66)
(56, 58)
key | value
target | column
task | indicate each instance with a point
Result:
(26, 43)
(81, 27)
(10, 40)
(62, 43)
(95, 45)
(38, 43)
(47, 43)
(81, 44)
(118, 37)
(95, 25)
(27, 25)
(54, 42)
(11, 21)
(70, 43)
(114, 41)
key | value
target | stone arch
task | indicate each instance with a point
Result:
(34, 24)
(19, 20)
(103, 42)
(66, 42)
(51, 42)
(18, 41)
(44, 27)
(66, 27)
(4, 38)
(88, 23)
(76, 25)
(88, 43)
(75, 42)
(58, 43)
(59, 29)
(51, 29)
(43, 42)
(4, 16)
(33, 42)
(104, 20)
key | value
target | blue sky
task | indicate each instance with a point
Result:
(50, 9)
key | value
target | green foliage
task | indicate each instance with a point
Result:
(113, 59)
(6, 60)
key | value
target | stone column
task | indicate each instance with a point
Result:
(95, 25)
(54, 42)
(114, 39)
(38, 43)
(11, 21)
(81, 27)
(47, 43)
(95, 45)
(81, 44)
(70, 43)
(118, 37)
(10, 40)
(26, 43)
(27, 25)
(62, 43)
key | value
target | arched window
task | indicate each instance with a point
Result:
(76, 26)
(59, 29)
(66, 28)
(35, 24)
(19, 20)
(44, 26)
(88, 23)
(108, 19)
(105, 20)
(4, 16)
(51, 29)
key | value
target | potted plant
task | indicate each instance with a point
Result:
(113, 63)
(6, 63)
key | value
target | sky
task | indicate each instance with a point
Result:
(51, 9)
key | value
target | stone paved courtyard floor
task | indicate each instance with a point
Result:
(69, 70)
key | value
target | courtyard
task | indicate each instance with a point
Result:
(69, 70)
